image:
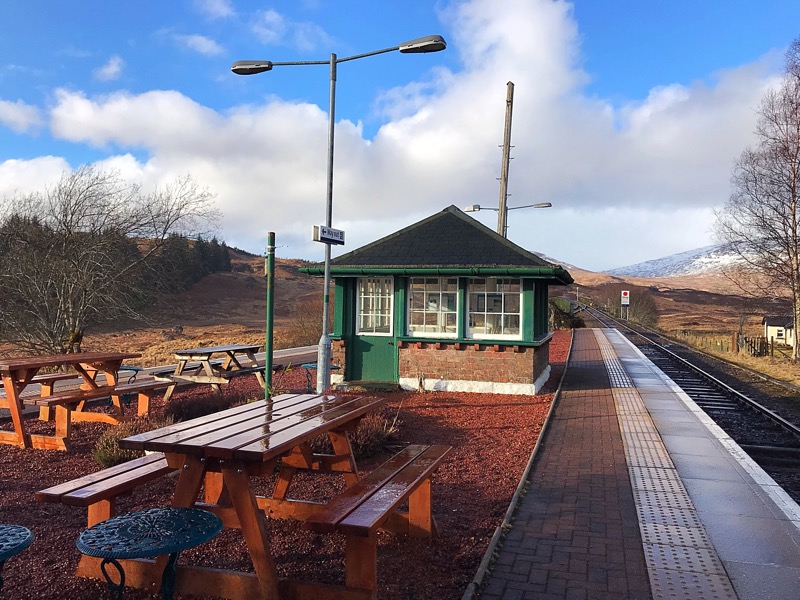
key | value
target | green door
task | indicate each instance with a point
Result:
(372, 355)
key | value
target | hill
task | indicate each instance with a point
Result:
(230, 307)
(710, 259)
(223, 308)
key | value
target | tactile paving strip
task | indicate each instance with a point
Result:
(682, 563)
(683, 558)
(616, 372)
(667, 515)
(690, 585)
(674, 535)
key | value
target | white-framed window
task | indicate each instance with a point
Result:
(493, 308)
(433, 306)
(375, 295)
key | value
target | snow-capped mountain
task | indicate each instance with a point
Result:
(692, 262)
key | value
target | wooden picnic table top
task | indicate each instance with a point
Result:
(258, 431)
(52, 360)
(215, 349)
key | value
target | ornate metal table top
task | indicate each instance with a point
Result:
(13, 539)
(150, 532)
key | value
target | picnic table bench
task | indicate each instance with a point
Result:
(372, 503)
(98, 492)
(224, 450)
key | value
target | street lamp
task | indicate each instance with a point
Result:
(430, 43)
(504, 233)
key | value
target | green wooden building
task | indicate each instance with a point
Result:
(443, 304)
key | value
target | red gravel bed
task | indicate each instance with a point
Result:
(492, 438)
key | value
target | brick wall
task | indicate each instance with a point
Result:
(338, 354)
(463, 362)
(473, 362)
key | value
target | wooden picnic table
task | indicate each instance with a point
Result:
(98, 370)
(224, 451)
(196, 365)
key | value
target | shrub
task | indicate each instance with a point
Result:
(191, 407)
(374, 431)
(107, 452)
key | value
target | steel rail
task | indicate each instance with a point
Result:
(787, 425)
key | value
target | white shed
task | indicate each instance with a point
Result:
(779, 329)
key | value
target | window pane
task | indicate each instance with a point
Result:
(449, 302)
(494, 323)
(477, 322)
(511, 325)
(494, 303)
(417, 301)
(511, 303)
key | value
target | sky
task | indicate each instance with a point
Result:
(627, 115)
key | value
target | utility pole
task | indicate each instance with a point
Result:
(502, 213)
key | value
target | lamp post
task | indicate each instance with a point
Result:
(431, 43)
(504, 226)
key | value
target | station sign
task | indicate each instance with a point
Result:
(328, 235)
(626, 298)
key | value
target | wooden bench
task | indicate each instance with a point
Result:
(99, 491)
(69, 404)
(144, 391)
(372, 504)
(65, 402)
(46, 383)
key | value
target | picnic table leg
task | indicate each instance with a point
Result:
(63, 423)
(20, 437)
(210, 372)
(178, 370)
(213, 488)
(420, 515)
(361, 562)
(343, 449)
(252, 522)
(45, 412)
(259, 374)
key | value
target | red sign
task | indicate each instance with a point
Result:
(626, 297)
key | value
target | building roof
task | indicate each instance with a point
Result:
(446, 243)
(785, 321)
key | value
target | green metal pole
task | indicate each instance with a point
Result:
(270, 275)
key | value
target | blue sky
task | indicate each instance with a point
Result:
(628, 115)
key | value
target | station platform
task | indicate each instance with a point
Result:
(634, 493)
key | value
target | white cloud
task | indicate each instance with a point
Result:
(271, 27)
(18, 116)
(200, 43)
(111, 70)
(215, 9)
(628, 183)
(26, 176)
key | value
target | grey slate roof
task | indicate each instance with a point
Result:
(448, 241)
(785, 321)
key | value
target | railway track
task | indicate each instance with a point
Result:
(760, 414)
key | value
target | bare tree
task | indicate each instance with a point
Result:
(77, 254)
(761, 220)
